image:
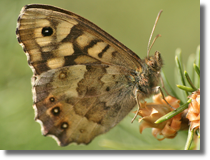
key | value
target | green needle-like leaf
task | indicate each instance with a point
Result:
(197, 69)
(178, 64)
(197, 59)
(185, 88)
(189, 80)
(173, 113)
(190, 68)
(178, 58)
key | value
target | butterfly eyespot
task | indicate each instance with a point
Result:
(64, 125)
(52, 99)
(62, 75)
(56, 111)
(47, 31)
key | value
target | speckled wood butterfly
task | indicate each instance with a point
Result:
(84, 81)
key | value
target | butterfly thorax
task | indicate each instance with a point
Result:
(149, 75)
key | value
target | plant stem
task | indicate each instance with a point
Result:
(189, 139)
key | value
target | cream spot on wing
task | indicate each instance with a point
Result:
(76, 73)
(44, 41)
(55, 62)
(107, 78)
(35, 55)
(108, 54)
(38, 32)
(41, 23)
(47, 48)
(63, 29)
(96, 49)
(72, 92)
(65, 49)
(85, 39)
(84, 59)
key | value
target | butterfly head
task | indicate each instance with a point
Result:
(148, 75)
(154, 62)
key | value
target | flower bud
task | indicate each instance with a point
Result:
(193, 113)
(150, 112)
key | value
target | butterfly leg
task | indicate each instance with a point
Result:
(137, 100)
(156, 90)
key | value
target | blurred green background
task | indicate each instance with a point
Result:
(131, 23)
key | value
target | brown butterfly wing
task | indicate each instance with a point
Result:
(83, 78)
(75, 105)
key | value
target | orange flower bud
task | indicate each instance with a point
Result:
(152, 111)
(193, 113)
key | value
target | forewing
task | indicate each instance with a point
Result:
(54, 38)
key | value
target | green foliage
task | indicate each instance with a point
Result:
(185, 78)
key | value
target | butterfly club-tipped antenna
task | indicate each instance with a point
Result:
(153, 29)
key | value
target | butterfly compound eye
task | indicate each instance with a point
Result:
(153, 64)
(47, 31)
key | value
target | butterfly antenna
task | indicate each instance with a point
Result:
(153, 29)
(152, 44)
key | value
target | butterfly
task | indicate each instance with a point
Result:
(84, 80)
